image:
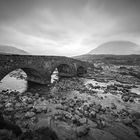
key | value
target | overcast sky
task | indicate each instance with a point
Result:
(67, 27)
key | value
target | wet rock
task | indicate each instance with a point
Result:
(77, 117)
(1, 106)
(78, 113)
(135, 115)
(30, 106)
(29, 100)
(83, 120)
(121, 131)
(82, 130)
(44, 133)
(68, 115)
(92, 114)
(91, 123)
(85, 107)
(40, 106)
(111, 87)
(97, 134)
(8, 105)
(86, 113)
(131, 99)
(60, 106)
(37, 95)
(97, 108)
(103, 123)
(29, 114)
(113, 106)
(125, 98)
(9, 109)
(127, 121)
(17, 105)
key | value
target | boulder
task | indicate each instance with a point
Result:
(97, 134)
(29, 114)
(122, 132)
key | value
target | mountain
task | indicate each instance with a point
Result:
(117, 48)
(11, 50)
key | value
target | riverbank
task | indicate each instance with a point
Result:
(79, 108)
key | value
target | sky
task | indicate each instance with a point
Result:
(67, 27)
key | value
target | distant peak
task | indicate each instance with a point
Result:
(117, 48)
(5, 49)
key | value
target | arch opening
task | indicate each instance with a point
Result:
(61, 71)
(54, 76)
(15, 80)
(81, 71)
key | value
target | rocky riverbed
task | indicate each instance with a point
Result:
(104, 105)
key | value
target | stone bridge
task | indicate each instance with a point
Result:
(40, 68)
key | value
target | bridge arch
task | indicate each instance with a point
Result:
(81, 71)
(64, 69)
(33, 74)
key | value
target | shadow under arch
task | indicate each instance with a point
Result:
(64, 70)
(81, 71)
(61, 71)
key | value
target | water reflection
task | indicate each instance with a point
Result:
(16, 80)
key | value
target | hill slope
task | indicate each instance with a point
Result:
(11, 50)
(117, 48)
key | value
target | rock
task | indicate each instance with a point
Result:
(72, 104)
(131, 99)
(17, 105)
(79, 112)
(8, 105)
(30, 100)
(30, 106)
(36, 95)
(97, 108)
(29, 114)
(38, 109)
(121, 131)
(83, 120)
(9, 109)
(43, 123)
(76, 117)
(1, 106)
(127, 121)
(82, 130)
(103, 123)
(93, 114)
(113, 106)
(60, 106)
(125, 98)
(24, 99)
(85, 107)
(41, 106)
(97, 134)
(91, 123)
(135, 115)
(64, 130)
(68, 115)
(86, 113)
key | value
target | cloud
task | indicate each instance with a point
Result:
(67, 27)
